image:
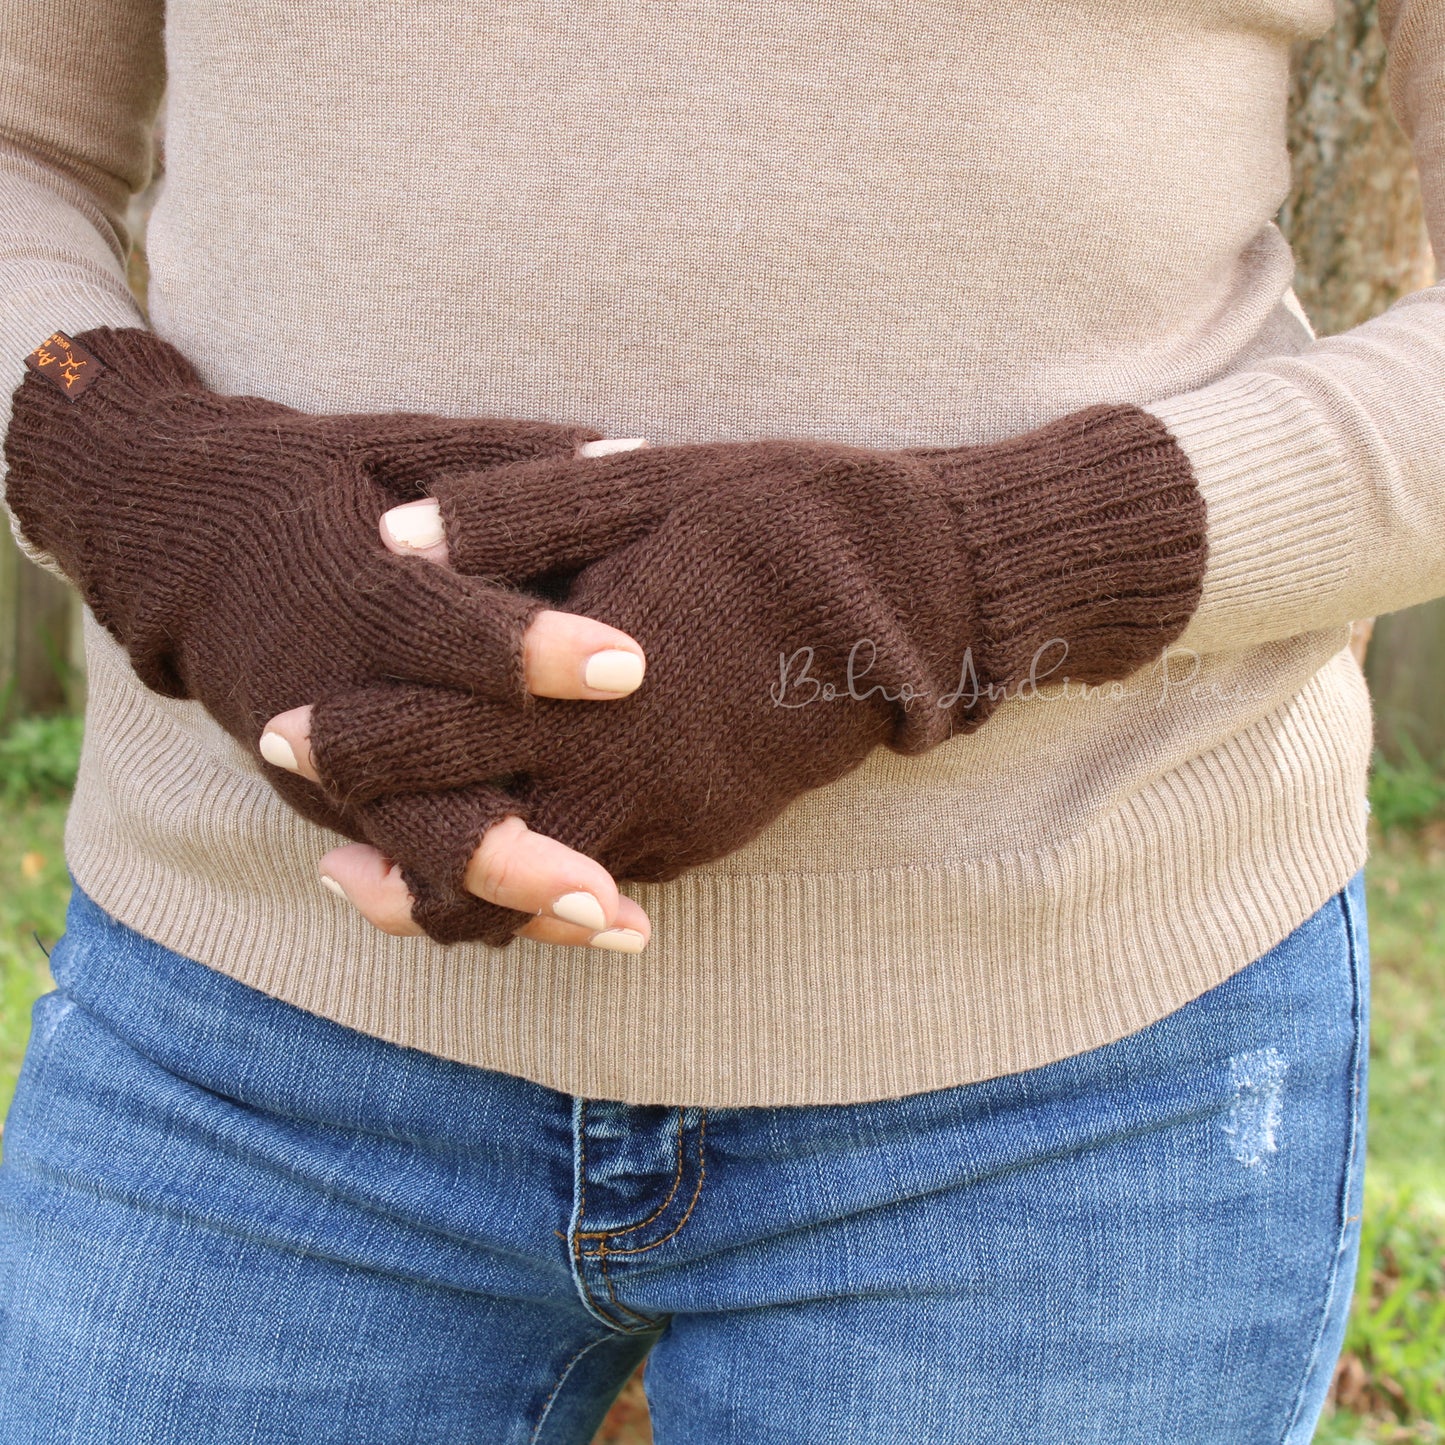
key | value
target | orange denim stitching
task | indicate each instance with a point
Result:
(671, 1193)
(692, 1203)
(601, 1258)
(592, 1299)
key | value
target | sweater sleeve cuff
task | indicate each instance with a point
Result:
(1280, 510)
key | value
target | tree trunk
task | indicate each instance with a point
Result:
(38, 671)
(1354, 215)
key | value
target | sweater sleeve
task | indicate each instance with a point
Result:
(80, 84)
(1324, 473)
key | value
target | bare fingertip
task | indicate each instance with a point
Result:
(618, 940)
(609, 446)
(278, 752)
(415, 526)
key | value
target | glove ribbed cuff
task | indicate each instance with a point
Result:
(1088, 546)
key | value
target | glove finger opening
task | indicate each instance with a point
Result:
(549, 517)
(432, 836)
(464, 920)
(431, 626)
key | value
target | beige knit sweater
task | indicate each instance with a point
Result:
(867, 220)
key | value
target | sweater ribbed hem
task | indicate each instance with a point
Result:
(1280, 502)
(785, 986)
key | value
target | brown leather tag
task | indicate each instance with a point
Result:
(65, 363)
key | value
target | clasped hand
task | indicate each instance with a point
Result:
(718, 560)
(572, 898)
(896, 576)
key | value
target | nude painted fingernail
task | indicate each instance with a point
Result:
(608, 446)
(417, 525)
(332, 886)
(580, 908)
(619, 940)
(278, 752)
(613, 671)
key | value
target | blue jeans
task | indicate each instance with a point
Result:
(225, 1220)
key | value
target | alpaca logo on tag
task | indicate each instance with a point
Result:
(64, 363)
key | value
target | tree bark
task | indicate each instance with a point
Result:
(37, 613)
(1354, 215)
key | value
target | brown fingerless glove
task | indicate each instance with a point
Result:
(799, 603)
(230, 544)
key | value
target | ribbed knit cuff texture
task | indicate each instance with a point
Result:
(1088, 544)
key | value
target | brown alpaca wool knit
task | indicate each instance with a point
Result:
(799, 605)
(235, 556)
(230, 544)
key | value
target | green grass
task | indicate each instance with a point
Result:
(1407, 795)
(38, 758)
(1395, 1363)
(1391, 1385)
(1407, 1035)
